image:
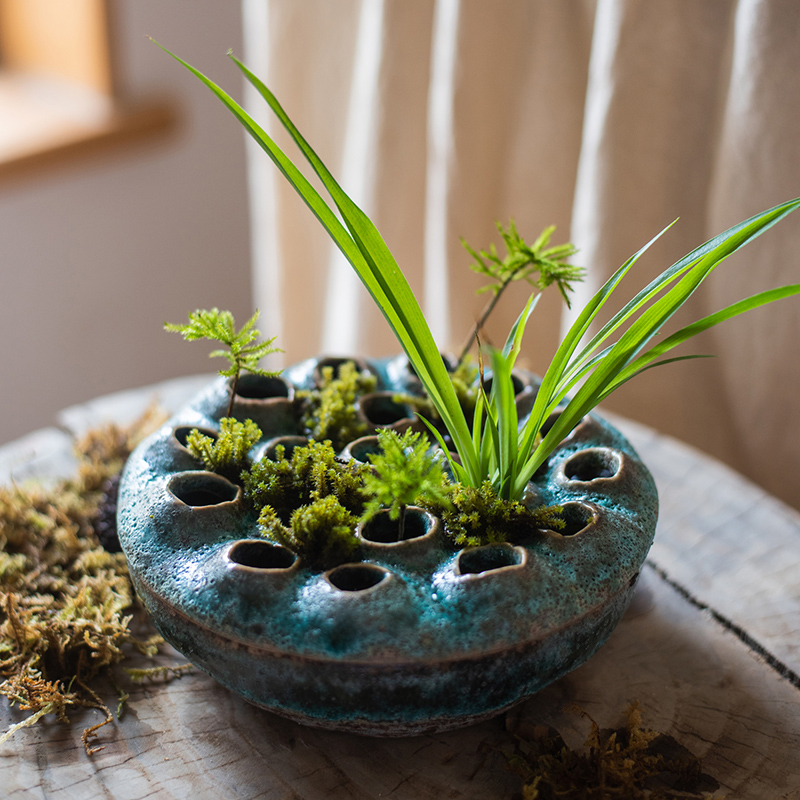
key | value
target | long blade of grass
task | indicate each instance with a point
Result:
(310, 196)
(653, 318)
(645, 327)
(676, 270)
(655, 364)
(507, 427)
(562, 359)
(513, 343)
(689, 331)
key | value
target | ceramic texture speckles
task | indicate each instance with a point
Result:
(414, 637)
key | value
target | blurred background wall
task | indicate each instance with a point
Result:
(98, 250)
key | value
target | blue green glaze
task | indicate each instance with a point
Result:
(426, 648)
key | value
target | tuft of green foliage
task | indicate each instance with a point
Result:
(538, 264)
(322, 533)
(329, 411)
(494, 447)
(404, 473)
(227, 454)
(244, 351)
(312, 472)
(478, 516)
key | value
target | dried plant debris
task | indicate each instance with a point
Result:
(66, 603)
(631, 762)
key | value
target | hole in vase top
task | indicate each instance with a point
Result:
(589, 465)
(261, 555)
(198, 489)
(487, 558)
(549, 422)
(261, 387)
(450, 364)
(518, 383)
(356, 577)
(380, 409)
(288, 443)
(182, 433)
(336, 365)
(577, 517)
(385, 530)
(361, 449)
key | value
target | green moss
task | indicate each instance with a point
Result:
(227, 454)
(329, 412)
(402, 474)
(478, 516)
(322, 533)
(311, 473)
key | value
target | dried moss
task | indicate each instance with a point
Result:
(66, 604)
(631, 763)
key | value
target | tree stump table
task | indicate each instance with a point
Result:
(710, 649)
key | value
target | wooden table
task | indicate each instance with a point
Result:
(710, 648)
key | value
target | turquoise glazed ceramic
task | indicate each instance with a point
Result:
(414, 635)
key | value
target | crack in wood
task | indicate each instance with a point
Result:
(772, 661)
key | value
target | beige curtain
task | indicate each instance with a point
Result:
(609, 119)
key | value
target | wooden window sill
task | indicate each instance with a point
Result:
(46, 123)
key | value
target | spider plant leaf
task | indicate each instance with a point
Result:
(611, 367)
(310, 196)
(560, 364)
(650, 320)
(686, 333)
(681, 266)
(507, 424)
(514, 341)
(663, 361)
(459, 473)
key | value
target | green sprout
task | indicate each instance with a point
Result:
(403, 473)
(244, 350)
(495, 447)
(538, 264)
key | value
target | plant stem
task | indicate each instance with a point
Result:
(234, 384)
(478, 326)
(401, 533)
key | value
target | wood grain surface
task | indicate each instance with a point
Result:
(710, 649)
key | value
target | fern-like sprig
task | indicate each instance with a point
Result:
(244, 351)
(403, 473)
(538, 264)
